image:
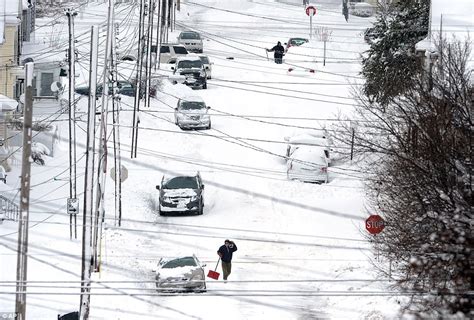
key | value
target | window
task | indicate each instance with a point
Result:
(190, 35)
(181, 183)
(180, 50)
(164, 49)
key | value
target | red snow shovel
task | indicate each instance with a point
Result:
(213, 274)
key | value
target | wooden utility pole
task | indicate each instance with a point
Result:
(158, 36)
(138, 87)
(102, 158)
(89, 180)
(21, 267)
(72, 120)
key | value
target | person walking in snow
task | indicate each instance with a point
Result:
(225, 253)
(279, 51)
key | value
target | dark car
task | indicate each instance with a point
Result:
(192, 71)
(124, 87)
(181, 194)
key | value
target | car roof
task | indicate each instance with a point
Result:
(189, 57)
(192, 98)
(189, 31)
(308, 139)
(172, 44)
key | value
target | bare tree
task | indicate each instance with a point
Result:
(418, 150)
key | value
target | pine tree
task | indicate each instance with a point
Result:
(390, 64)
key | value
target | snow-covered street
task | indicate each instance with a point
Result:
(302, 252)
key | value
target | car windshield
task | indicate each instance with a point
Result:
(180, 50)
(180, 262)
(181, 183)
(192, 105)
(190, 35)
(204, 60)
(187, 64)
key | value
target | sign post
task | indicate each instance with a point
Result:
(310, 11)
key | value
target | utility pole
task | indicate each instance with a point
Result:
(151, 11)
(89, 180)
(102, 158)
(116, 138)
(138, 88)
(70, 13)
(22, 259)
(158, 36)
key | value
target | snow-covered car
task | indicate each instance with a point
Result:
(207, 65)
(170, 52)
(191, 40)
(362, 9)
(308, 164)
(192, 112)
(308, 139)
(181, 194)
(190, 71)
(3, 175)
(181, 274)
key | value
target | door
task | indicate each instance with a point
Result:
(46, 81)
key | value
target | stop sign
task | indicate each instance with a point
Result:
(310, 11)
(374, 224)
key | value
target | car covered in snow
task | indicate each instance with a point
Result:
(190, 71)
(192, 112)
(307, 139)
(180, 274)
(181, 194)
(123, 87)
(191, 40)
(308, 164)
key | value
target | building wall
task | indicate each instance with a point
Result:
(8, 59)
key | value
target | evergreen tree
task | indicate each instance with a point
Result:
(390, 65)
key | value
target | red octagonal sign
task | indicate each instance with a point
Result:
(374, 224)
(310, 10)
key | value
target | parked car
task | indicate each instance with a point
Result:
(295, 42)
(308, 164)
(3, 175)
(192, 112)
(169, 53)
(124, 87)
(181, 194)
(362, 9)
(191, 72)
(191, 40)
(307, 139)
(207, 65)
(181, 274)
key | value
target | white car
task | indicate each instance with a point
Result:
(181, 274)
(192, 112)
(191, 40)
(307, 139)
(170, 52)
(308, 164)
(207, 65)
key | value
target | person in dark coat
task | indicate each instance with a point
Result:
(225, 253)
(279, 51)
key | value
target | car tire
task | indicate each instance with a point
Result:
(209, 126)
(161, 213)
(204, 86)
(201, 209)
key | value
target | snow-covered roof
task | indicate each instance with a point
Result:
(188, 57)
(7, 104)
(9, 13)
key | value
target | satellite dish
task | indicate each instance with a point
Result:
(22, 98)
(56, 86)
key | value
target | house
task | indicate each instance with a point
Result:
(16, 26)
(450, 21)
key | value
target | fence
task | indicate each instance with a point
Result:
(8, 209)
